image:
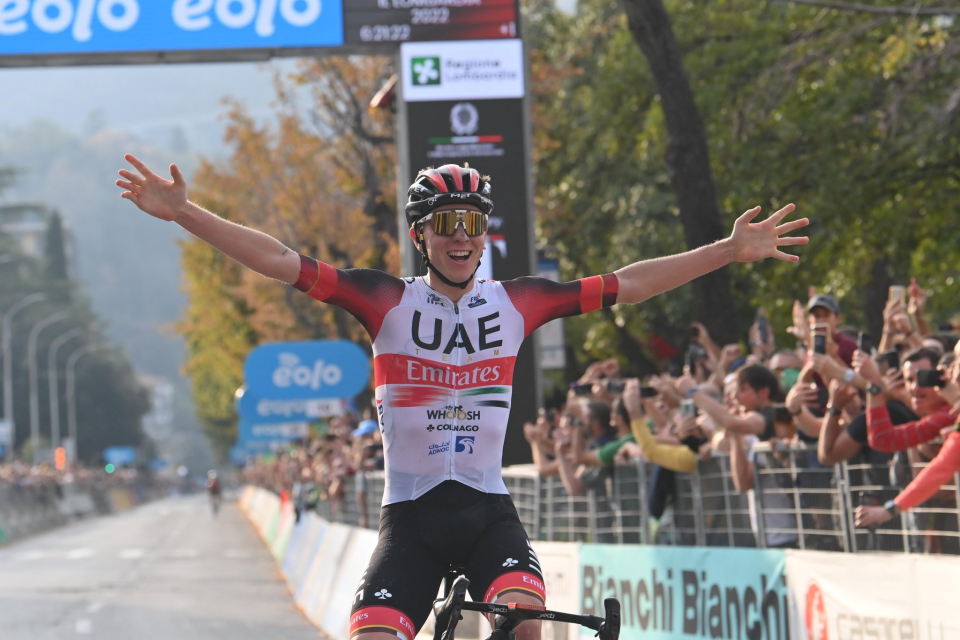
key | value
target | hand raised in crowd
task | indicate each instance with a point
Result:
(866, 367)
(918, 298)
(752, 241)
(841, 394)
(666, 387)
(686, 427)
(895, 386)
(827, 366)
(631, 398)
(152, 194)
(800, 329)
(895, 318)
(627, 453)
(801, 394)
(530, 433)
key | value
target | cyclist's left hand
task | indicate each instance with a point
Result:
(752, 241)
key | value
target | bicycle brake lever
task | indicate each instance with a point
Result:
(447, 610)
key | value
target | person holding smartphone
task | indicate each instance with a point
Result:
(940, 470)
(935, 400)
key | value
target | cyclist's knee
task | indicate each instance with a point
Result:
(380, 623)
(529, 630)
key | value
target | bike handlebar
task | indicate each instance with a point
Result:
(447, 612)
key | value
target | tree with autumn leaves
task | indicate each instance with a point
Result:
(655, 123)
(321, 180)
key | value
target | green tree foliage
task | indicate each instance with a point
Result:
(56, 252)
(852, 116)
(110, 402)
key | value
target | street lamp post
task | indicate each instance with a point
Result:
(71, 392)
(32, 362)
(8, 356)
(52, 379)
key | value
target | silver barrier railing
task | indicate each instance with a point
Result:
(794, 502)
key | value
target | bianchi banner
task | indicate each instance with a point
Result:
(667, 593)
(871, 597)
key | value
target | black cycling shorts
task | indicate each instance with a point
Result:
(450, 525)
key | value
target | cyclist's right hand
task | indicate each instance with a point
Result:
(160, 198)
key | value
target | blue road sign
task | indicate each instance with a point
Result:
(120, 456)
(302, 370)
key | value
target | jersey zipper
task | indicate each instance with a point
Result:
(456, 394)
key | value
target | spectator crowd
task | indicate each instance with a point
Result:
(889, 406)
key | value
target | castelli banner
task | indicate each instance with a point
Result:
(838, 596)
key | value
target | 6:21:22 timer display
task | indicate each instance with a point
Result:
(370, 21)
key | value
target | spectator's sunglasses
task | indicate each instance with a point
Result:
(445, 223)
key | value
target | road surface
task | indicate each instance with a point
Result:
(165, 570)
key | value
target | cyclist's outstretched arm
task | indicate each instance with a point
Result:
(167, 200)
(748, 242)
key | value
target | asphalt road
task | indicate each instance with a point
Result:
(165, 570)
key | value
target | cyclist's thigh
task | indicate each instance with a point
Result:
(503, 566)
(397, 589)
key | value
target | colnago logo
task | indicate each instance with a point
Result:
(452, 413)
(465, 444)
(292, 373)
(426, 70)
(80, 16)
(453, 427)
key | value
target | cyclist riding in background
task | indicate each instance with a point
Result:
(215, 491)
(446, 342)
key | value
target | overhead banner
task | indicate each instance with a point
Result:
(307, 370)
(50, 27)
(391, 21)
(840, 596)
(471, 70)
(687, 592)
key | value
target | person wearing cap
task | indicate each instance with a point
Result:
(824, 309)
(365, 428)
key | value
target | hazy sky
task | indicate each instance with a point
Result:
(148, 101)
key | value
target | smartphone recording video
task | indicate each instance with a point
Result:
(688, 409)
(930, 378)
(648, 392)
(897, 293)
(582, 388)
(615, 386)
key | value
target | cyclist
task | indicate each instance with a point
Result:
(444, 346)
(215, 490)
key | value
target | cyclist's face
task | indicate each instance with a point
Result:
(455, 256)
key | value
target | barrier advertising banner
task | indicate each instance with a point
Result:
(862, 597)
(687, 592)
(264, 411)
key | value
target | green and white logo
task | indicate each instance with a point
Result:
(426, 70)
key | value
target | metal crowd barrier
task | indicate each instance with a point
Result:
(795, 502)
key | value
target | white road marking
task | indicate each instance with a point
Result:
(131, 554)
(95, 607)
(83, 627)
(77, 554)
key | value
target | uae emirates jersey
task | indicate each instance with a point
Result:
(443, 370)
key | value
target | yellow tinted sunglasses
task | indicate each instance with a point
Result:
(445, 223)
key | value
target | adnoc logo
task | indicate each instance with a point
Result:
(464, 444)
(426, 70)
(815, 614)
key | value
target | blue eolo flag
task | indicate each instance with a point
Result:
(316, 369)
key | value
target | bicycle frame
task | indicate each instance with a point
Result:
(447, 611)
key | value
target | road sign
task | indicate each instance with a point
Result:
(307, 370)
(391, 21)
(120, 456)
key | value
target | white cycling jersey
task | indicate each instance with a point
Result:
(444, 371)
